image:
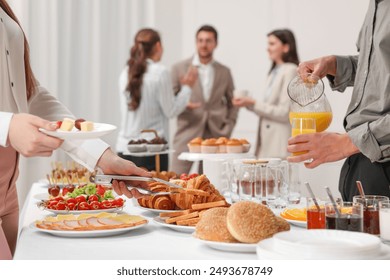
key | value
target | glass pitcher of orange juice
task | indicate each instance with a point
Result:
(309, 101)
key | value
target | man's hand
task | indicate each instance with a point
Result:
(319, 67)
(110, 163)
(24, 136)
(321, 147)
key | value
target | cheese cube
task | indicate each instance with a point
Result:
(67, 124)
(86, 126)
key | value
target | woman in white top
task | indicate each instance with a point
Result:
(24, 108)
(146, 95)
(273, 105)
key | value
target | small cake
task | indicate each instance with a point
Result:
(194, 145)
(209, 146)
(67, 124)
(245, 145)
(221, 142)
(86, 126)
(234, 146)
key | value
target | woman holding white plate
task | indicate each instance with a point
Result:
(25, 107)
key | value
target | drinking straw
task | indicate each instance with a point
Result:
(333, 201)
(360, 188)
(312, 196)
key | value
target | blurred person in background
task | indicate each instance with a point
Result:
(366, 143)
(273, 104)
(210, 113)
(146, 96)
(25, 107)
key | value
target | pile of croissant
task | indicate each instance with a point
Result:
(195, 191)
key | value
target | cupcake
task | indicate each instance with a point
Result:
(209, 146)
(245, 145)
(194, 145)
(234, 146)
(221, 142)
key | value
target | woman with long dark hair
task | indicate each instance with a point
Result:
(273, 105)
(146, 94)
(25, 107)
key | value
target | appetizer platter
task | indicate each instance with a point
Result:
(89, 225)
(87, 198)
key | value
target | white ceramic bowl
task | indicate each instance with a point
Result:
(136, 148)
(155, 148)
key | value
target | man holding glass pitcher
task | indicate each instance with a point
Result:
(366, 143)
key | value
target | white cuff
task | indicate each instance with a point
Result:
(5, 120)
(86, 152)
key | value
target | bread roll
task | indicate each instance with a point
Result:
(212, 226)
(250, 222)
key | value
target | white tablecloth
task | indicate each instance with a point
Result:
(150, 242)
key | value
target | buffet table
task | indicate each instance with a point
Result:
(150, 242)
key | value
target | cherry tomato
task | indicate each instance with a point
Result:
(94, 205)
(65, 190)
(61, 205)
(118, 202)
(52, 204)
(184, 176)
(71, 200)
(83, 206)
(106, 204)
(80, 199)
(93, 197)
(58, 198)
(59, 123)
(71, 188)
(193, 175)
(71, 206)
(100, 190)
(54, 191)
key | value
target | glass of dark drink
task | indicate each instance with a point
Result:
(315, 215)
(348, 217)
(370, 211)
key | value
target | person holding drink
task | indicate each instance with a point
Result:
(366, 143)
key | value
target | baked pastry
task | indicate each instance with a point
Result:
(194, 145)
(209, 146)
(162, 202)
(234, 146)
(221, 142)
(250, 222)
(197, 190)
(245, 145)
(212, 226)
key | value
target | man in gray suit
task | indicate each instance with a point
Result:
(210, 112)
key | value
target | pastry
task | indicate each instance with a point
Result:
(221, 142)
(194, 145)
(212, 226)
(245, 145)
(234, 146)
(209, 146)
(250, 222)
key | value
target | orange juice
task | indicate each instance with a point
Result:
(297, 131)
(323, 119)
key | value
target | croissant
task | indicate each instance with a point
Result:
(163, 202)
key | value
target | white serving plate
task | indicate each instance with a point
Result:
(186, 229)
(229, 247)
(157, 211)
(99, 130)
(322, 244)
(86, 233)
(78, 212)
